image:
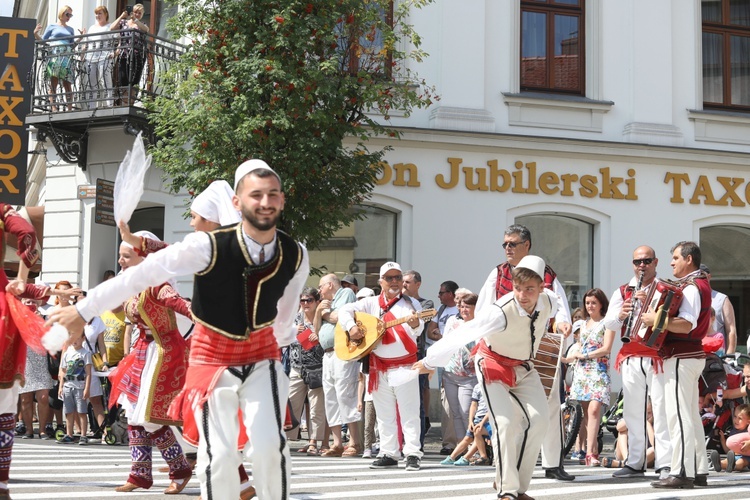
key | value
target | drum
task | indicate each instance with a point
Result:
(547, 359)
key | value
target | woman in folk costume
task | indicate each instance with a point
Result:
(211, 209)
(147, 380)
(17, 330)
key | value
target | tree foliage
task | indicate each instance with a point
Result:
(287, 81)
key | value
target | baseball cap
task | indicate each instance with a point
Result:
(389, 266)
(365, 292)
(533, 263)
(350, 279)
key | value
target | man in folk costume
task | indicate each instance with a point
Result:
(638, 365)
(248, 278)
(684, 361)
(14, 334)
(511, 330)
(517, 245)
(397, 348)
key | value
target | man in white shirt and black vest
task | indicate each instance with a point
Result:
(248, 278)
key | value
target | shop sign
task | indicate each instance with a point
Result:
(16, 58)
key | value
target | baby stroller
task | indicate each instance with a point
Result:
(717, 374)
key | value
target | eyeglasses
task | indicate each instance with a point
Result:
(645, 262)
(391, 279)
(307, 301)
(69, 14)
(442, 292)
(512, 244)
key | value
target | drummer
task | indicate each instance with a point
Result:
(511, 329)
(516, 246)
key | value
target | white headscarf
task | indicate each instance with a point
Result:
(215, 204)
(150, 236)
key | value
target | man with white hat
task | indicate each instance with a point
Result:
(510, 330)
(248, 278)
(396, 349)
(517, 245)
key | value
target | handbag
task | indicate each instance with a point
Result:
(96, 358)
(312, 378)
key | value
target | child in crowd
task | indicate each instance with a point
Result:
(734, 461)
(75, 383)
(478, 430)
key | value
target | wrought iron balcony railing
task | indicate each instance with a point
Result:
(99, 71)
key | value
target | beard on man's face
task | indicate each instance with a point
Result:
(264, 224)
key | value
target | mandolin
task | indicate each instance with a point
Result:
(372, 328)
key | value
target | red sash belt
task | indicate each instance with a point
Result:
(639, 349)
(496, 367)
(380, 365)
(210, 354)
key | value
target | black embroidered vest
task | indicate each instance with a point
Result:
(234, 296)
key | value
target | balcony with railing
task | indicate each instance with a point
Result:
(96, 80)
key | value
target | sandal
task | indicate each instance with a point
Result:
(610, 463)
(592, 461)
(352, 451)
(334, 451)
(481, 461)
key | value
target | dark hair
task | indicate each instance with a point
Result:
(690, 248)
(522, 231)
(261, 173)
(451, 286)
(109, 273)
(411, 272)
(470, 298)
(309, 291)
(522, 275)
(599, 295)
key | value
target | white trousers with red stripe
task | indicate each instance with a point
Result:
(519, 416)
(262, 397)
(406, 399)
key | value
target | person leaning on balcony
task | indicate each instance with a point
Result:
(60, 61)
(98, 60)
(131, 56)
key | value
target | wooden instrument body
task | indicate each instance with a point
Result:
(373, 329)
(547, 360)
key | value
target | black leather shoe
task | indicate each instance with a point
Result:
(701, 480)
(558, 473)
(674, 482)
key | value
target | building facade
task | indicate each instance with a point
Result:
(600, 125)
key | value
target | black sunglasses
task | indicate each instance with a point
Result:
(512, 244)
(307, 301)
(645, 262)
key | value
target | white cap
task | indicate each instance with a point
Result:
(365, 292)
(388, 266)
(533, 263)
(248, 167)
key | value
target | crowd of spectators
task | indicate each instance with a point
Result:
(98, 67)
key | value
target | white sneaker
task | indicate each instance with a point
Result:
(83, 440)
(367, 453)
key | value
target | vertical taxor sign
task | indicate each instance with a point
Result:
(16, 58)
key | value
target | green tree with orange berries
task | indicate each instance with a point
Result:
(288, 81)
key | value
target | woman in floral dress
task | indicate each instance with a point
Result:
(591, 383)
